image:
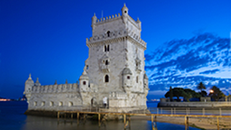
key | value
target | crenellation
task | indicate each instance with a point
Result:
(60, 88)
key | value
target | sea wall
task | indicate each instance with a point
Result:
(194, 104)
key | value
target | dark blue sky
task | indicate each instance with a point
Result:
(48, 38)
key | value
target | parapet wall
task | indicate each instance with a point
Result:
(56, 88)
(194, 104)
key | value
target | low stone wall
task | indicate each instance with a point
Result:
(41, 113)
(194, 104)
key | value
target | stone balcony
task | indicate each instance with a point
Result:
(138, 69)
(105, 68)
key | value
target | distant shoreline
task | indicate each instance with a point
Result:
(195, 104)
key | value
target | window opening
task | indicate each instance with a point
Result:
(108, 33)
(105, 48)
(106, 78)
(137, 79)
(106, 63)
(35, 103)
(51, 103)
(70, 104)
(60, 103)
(43, 103)
(128, 77)
(84, 82)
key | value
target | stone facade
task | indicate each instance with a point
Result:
(114, 69)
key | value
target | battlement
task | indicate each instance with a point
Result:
(107, 19)
(57, 88)
(113, 18)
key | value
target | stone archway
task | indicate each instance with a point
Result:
(93, 102)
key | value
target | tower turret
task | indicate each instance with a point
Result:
(28, 87)
(93, 22)
(146, 84)
(84, 81)
(139, 23)
(124, 10)
(127, 78)
(124, 13)
(37, 82)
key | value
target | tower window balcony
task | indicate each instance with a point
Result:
(105, 68)
(138, 65)
(138, 69)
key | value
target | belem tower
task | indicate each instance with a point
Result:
(114, 69)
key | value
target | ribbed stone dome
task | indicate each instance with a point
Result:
(29, 80)
(127, 71)
(145, 76)
(84, 76)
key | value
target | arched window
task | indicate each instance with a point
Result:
(35, 103)
(106, 79)
(105, 48)
(106, 63)
(108, 33)
(51, 103)
(60, 103)
(70, 104)
(137, 79)
(84, 82)
(128, 77)
(43, 103)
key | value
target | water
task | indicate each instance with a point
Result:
(12, 118)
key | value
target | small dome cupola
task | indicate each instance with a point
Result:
(28, 86)
(124, 10)
(29, 80)
(127, 79)
(93, 22)
(145, 76)
(84, 75)
(146, 83)
(37, 82)
(127, 71)
(84, 81)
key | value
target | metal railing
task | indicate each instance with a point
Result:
(150, 110)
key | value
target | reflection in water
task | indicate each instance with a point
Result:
(46, 123)
(12, 118)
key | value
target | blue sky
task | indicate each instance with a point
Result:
(48, 38)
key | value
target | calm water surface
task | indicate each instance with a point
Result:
(12, 118)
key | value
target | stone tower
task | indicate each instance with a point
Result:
(114, 69)
(116, 60)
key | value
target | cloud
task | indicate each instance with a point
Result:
(185, 63)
